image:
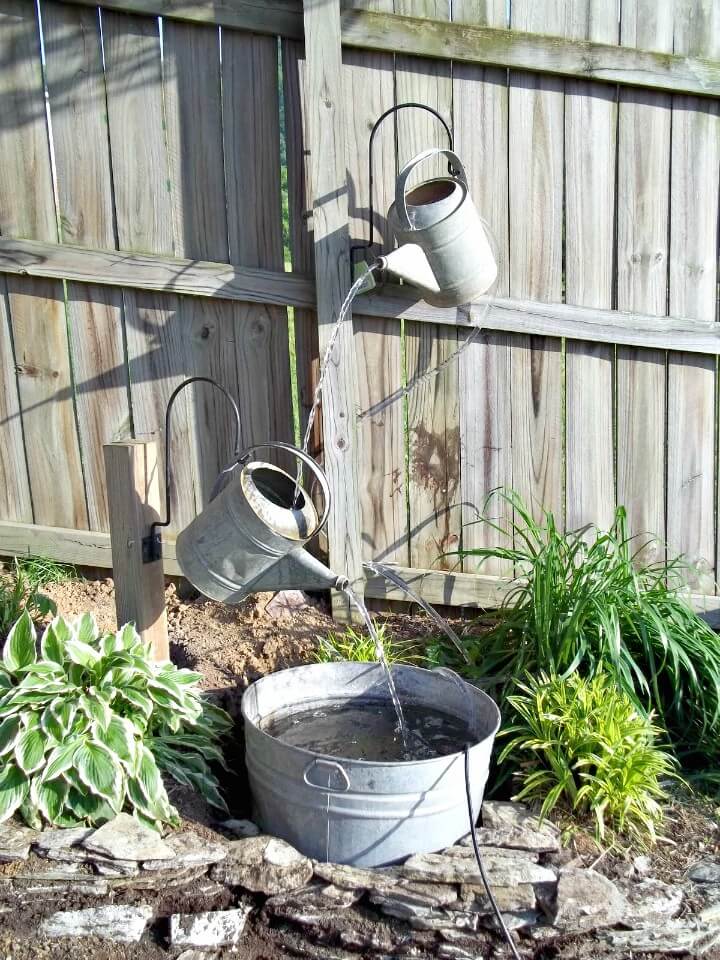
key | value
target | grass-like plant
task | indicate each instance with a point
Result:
(360, 647)
(583, 742)
(89, 723)
(40, 571)
(587, 601)
(19, 592)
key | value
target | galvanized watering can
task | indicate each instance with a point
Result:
(443, 247)
(251, 535)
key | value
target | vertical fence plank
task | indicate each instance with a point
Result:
(18, 71)
(590, 157)
(37, 307)
(536, 183)
(76, 92)
(433, 410)
(694, 168)
(327, 189)
(251, 128)
(480, 123)
(141, 173)
(369, 91)
(643, 189)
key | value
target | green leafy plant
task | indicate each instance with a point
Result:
(19, 593)
(587, 601)
(40, 571)
(89, 722)
(360, 648)
(583, 742)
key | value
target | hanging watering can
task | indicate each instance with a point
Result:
(251, 535)
(443, 247)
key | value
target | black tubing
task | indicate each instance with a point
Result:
(481, 868)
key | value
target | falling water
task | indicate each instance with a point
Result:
(382, 659)
(390, 575)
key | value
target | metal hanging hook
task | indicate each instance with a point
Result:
(376, 125)
(152, 544)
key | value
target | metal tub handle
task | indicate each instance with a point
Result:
(332, 766)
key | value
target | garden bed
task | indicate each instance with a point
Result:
(231, 647)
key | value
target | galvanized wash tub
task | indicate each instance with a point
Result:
(355, 811)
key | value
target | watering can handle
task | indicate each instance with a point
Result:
(407, 170)
(333, 767)
(309, 463)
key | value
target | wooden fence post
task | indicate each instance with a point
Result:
(327, 194)
(133, 491)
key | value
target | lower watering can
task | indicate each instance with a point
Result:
(251, 535)
(443, 249)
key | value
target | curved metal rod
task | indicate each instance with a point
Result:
(376, 125)
(171, 401)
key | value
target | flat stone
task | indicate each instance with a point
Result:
(503, 871)
(512, 825)
(351, 878)
(115, 922)
(313, 905)
(474, 898)
(64, 845)
(264, 865)
(220, 928)
(339, 897)
(420, 894)
(651, 901)
(15, 840)
(449, 951)
(114, 868)
(464, 851)
(441, 920)
(190, 850)
(193, 954)
(50, 890)
(155, 881)
(692, 936)
(125, 838)
(706, 871)
(587, 900)
(513, 920)
(242, 828)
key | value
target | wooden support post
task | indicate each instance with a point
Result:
(133, 492)
(328, 197)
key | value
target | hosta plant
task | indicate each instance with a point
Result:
(583, 743)
(89, 723)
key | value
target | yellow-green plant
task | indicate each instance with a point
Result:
(19, 592)
(89, 722)
(583, 742)
(360, 648)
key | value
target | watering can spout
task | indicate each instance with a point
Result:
(409, 264)
(299, 570)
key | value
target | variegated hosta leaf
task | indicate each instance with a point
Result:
(96, 709)
(30, 749)
(100, 771)
(49, 797)
(85, 629)
(52, 645)
(60, 759)
(19, 648)
(82, 653)
(121, 738)
(13, 790)
(10, 729)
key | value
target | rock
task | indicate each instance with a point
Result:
(448, 951)
(512, 825)
(312, 905)
(114, 868)
(706, 871)
(642, 865)
(351, 878)
(242, 828)
(651, 901)
(63, 844)
(263, 864)
(513, 920)
(15, 840)
(151, 881)
(338, 896)
(503, 871)
(116, 922)
(31, 892)
(196, 955)
(441, 920)
(125, 838)
(220, 928)
(692, 936)
(587, 900)
(190, 850)
(474, 898)
(415, 900)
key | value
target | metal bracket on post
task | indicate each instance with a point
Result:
(152, 547)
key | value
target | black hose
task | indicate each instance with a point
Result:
(481, 868)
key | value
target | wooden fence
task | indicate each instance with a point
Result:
(141, 242)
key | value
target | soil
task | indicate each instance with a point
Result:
(231, 647)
